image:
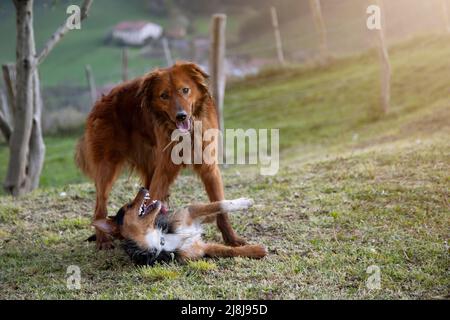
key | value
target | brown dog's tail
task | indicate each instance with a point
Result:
(80, 156)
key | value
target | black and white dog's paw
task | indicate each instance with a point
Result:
(237, 204)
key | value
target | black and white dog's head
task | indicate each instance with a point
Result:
(141, 225)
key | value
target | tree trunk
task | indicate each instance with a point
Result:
(37, 147)
(16, 181)
(27, 149)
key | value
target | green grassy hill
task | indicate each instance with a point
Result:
(355, 189)
(337, 106)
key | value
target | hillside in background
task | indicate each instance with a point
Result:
(249, 32)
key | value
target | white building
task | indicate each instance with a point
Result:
(136, 33)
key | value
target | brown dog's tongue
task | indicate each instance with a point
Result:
(163, 209)
(184, 125)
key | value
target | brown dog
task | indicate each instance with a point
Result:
(132, 126)
(150, 235)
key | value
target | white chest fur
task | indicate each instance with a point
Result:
(153, 239)
(182, 238)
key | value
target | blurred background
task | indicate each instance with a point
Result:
(137, 29)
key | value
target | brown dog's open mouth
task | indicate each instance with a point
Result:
(147, 205)
(184, 126)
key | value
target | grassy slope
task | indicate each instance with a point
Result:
(354, 190)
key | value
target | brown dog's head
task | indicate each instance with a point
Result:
(175, 93)
(134, 220)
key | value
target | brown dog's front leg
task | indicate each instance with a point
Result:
(212, 179)
(106, 175)
(161, 180)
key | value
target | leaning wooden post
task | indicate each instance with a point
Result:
(125, 64)
(321, 29)
(384, 60)
(446, 14)
(167, 52)
(217, 63)
(276, 30)
(91, 83)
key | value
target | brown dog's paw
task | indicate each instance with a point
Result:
(103, 241)
(235, 241)
(257, 251)
(106, 245)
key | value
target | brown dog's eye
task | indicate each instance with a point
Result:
(164, 96)
(186, 90)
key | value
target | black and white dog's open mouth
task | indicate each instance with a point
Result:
(147, 205)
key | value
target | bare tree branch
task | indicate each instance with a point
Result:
(61, 32)
(9, 77)
(5, 127)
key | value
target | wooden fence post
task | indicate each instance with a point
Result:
(167, 52)
(124, 64)
(217, 63)
(446, 14)
(91, 84)
(319, 22)
(276, 30)
(384, 61)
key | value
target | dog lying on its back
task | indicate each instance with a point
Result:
(151, 234)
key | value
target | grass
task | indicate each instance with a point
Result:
(324, 223)
(354, 190)
(158, 272)
(59, 167)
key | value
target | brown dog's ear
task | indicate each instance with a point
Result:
(107, 226)
(144, 92)
(197, 74)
